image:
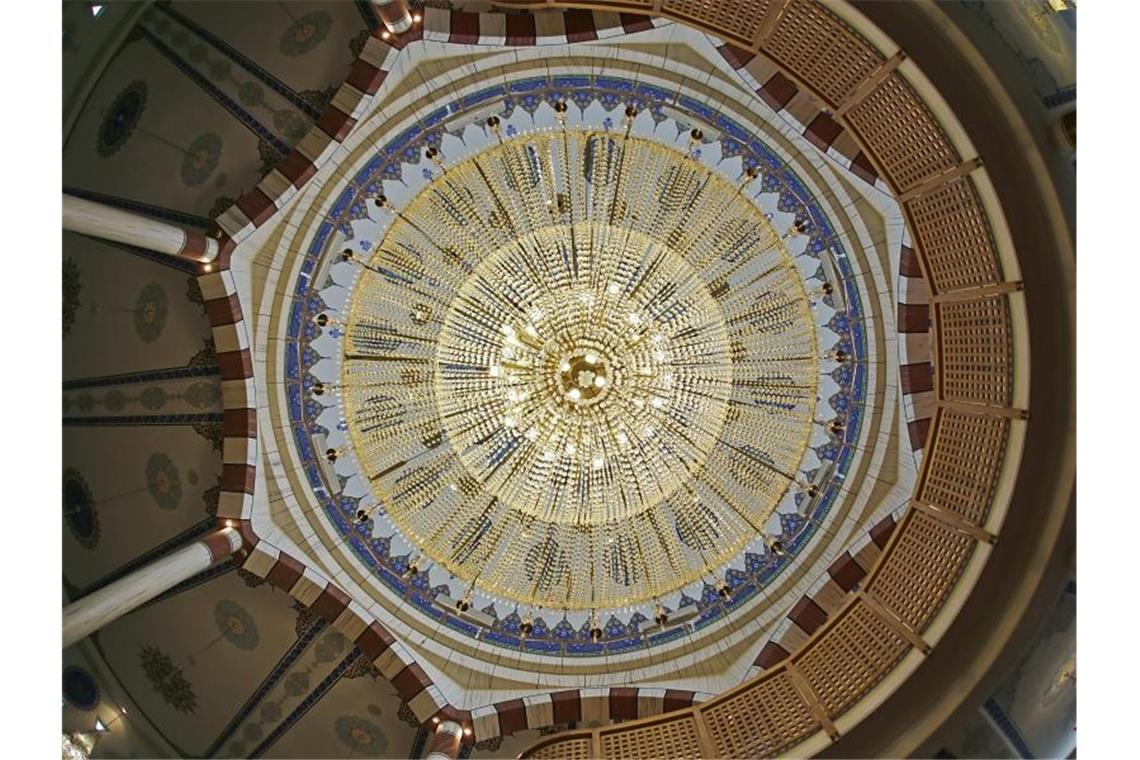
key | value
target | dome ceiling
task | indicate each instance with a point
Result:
(598, 341)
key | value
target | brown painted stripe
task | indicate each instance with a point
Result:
(226, 246)
(285, 572)
(330, 603)
(862, 167)
(623, 703)
(249, 539)
(257, 206)
(807, 615)
(239, 423)
(917, 377)
(771, 655)
(917, 430)
(521, 29)
(402, 40)
(296, 168)
(394, 13)
(567, 706)
(909, 265)
(676, 699)
(335, 123)
(512, 716)
(366, 77)
(444, 743)
(464, 28)
(238, 478)
(579, 26)
(235, 365)
(223, 311)
(410, 681)
(737, 57)
(913, 317)
(822, 131)
(635, 22)
(218, 545)
(846, 571)
(374, 640)
(195, 245)
(777, 91)
(881, 532)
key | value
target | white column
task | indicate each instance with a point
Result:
(99, 608)
(395, 15)
(445, 743)
(109, 223)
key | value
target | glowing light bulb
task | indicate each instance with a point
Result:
(495, 370)
(532, 435)
(574, 394)
(597, 463)
(571, 449)
(613, 289)
(634, 319)
(658, 402)
(509, 422)
(564, 365)
(591, 358)
(599, 381)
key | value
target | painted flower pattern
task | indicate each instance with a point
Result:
(305, 33)
(150, 312)
(360, 736)
(167, 679)
(79, 512)
(201, 158)
(121, 119)
(163, 482)
(236, 624)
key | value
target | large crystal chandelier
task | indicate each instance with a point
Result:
(580, 369)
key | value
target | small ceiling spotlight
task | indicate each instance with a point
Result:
(560, 111)
(752, 172)
(322, 320)
(723, 590)
(464, 603)
(433, 155)
(660, 614)
(493, 124)
(776, 547)
(413, 569)
(596, 633)
(838, 356)
(318, 389)
(467, 730)
(347, 255)
(417, 18)
(526, 627)
(361, 516)
(332, 455)
(811, 490)
(695, 137)
(385, 35)
(381, 201)
(835, 427)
